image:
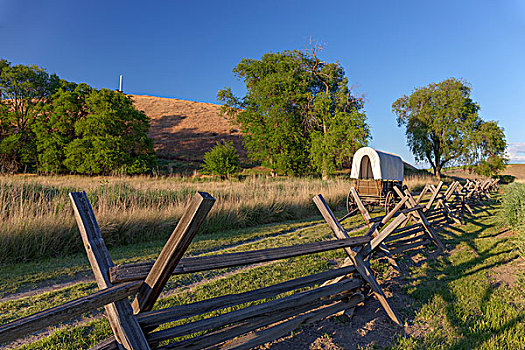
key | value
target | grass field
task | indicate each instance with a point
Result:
(184, 130)
(37, 220)
(516, 170)
(470, 297)
(36, 216)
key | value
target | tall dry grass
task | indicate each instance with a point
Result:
(416, 182)
(36, 218)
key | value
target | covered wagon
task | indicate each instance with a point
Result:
(374, 175)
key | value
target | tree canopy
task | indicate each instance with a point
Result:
(298, 114)
(22, 91)
(443, 127)
(51, 125)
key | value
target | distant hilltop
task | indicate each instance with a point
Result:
(185, 130)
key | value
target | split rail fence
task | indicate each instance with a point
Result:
(412, 224)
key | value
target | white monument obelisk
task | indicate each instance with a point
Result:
(120, 84)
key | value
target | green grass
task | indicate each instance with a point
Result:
(460, 301)
(513, 213)
(25, 276)
(34, 274)
(89, 334)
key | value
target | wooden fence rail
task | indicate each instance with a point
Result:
(66, 311)
(411, 224)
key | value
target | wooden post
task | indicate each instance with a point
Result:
(172, 252)
(422, 194)
(434, 196)
(360, 205)
(120, 315)
(66, 311)
(356, 259)
(373, 227)
(418, 214)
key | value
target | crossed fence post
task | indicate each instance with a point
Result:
(414, 212)
(121, 314)
(375, 226)
(418, 216)
(357, 258)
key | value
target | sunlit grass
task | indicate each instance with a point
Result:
(513, 213)
(415, 183)
(461, 303)
(37, 219)
(182, 287)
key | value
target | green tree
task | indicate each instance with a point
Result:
(23, 89)
(487, 149)
(111, 138)
(337, 121)
(51, 125)
(55, 128)
(440, 119)
(298, 114)
(270, 113)
(222, 160)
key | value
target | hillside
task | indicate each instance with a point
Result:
(516, 170)
(185, 130)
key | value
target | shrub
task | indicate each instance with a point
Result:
(222, 160)
(514, 212)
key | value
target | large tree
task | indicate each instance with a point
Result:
(55, 127)
(443, 126)
(337, 120)
(487, 149)
(51, 125)
(23, 89)
(112, 137)
(298, 114)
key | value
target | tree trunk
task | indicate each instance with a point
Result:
(437, 172)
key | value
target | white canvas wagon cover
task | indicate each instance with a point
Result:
(369, 163)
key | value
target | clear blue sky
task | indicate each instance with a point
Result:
(187, 49)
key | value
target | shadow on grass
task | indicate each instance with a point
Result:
(477, 249)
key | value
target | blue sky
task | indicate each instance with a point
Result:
(187, 49)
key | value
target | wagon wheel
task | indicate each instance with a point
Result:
(389, 202)
(350, 202)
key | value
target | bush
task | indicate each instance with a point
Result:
(222, 160)
(54, 126)
(514, 211)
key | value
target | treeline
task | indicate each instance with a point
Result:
(298, 115)
(51, 125)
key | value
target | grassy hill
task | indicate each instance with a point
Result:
(185, 130)
(516, 170)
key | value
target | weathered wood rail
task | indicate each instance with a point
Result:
(411, 224)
